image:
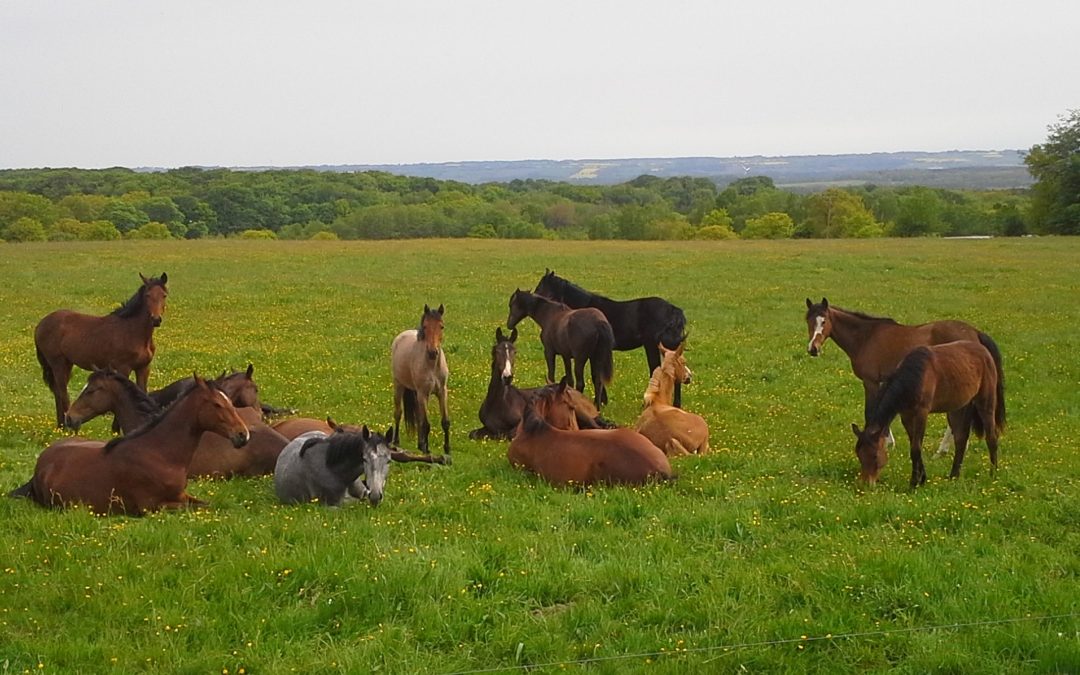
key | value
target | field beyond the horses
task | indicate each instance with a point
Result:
(763, 555)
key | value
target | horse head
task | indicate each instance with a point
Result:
(503, 354)
(555, 404)
(674, 360)
(154, 294)
(431, 331)
(520, 304)
(240, 388)
(547, 284)
(98, 396)
(216, 413)
(871, 451)
(819, 325)
(376, 451)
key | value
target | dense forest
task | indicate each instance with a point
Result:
(69, 204)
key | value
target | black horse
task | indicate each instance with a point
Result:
(644, 322)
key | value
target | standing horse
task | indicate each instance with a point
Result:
(671, 429)
(141, 472)
(578, 334)
(958, 378)
(501, 410)
(419, 368)
(327, 468)
(643, 322)
(565, 457)
(876, 345)
(122, 340)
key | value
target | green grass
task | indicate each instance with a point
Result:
(476, 566)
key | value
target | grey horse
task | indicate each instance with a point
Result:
(317, 466)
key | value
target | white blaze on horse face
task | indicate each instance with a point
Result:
(508, 369)
(819, 330)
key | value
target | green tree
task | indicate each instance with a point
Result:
(769, 226)
(920, 213)
(16, 205)
(124, 215)
(150, 231)
(838, 213)
(1055, 165)
(67, 229)
(24, 229)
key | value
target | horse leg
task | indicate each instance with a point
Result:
(578, 381)
(423, 425)
(444, 411)
(675, 448)
(142, 376)
(960, 424)
(985, 411)
(549, 358)
(399, 391)
(61, 372)
(915, 425)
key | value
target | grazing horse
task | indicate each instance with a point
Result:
(106, 391)
(643, 322)
(876, 345)
(958, 378)
(578, 334)
(565, 457)
(315, 466)
(671, 429)
(141, 472)
(501, 410)
(122, 340)
(419, 368)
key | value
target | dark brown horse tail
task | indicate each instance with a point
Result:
(412, 409)
(46, 371)
(26, 490)
(601, 356)
(999, 411)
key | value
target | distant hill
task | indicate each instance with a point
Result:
(954, 169)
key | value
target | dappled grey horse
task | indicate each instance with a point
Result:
(317, 466)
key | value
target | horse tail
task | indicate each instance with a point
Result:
(602, 356)
(46, 370)
(999, 411)
(674, 331)
(412, 409)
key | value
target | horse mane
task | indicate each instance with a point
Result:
(565, 285)
(159, 415)
(134, 304)
(867, 317)
(532, 422)
(342, 449)
(144, 405)
(900, 388)
(654, 385)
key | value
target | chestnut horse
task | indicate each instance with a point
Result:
(875, 345)
(568, 457)
(109, 392)
(418, 365)
(673, 430)
(958, 378)
(141, 472)
(122, 340)
(501, 410)
(578, 334)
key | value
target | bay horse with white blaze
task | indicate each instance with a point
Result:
(957, 378)
(122, 340)
(418, 365)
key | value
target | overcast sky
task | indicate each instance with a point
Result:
(97, 83)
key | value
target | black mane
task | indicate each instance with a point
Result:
(345, 453)
(562, 288)
(134, 304)
(900, 388)
(144, 405)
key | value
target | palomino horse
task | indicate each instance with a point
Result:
(565, 457)
(141, 472)
(419, 368)
(315, 466)
(578, 334)
(876, 345)
(643, 322)
(501, 410)
(671, 429)
(958, 378)
(106, 391)
(123, 340)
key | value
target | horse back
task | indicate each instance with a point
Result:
(93, 341)
(963, 370)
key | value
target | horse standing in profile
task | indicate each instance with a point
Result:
(418, 365)
(876, 345)
(141, 472)
(673, 430)
(642, 322)
(958, 378)
(329, 467)
(574, 334)
(122, 340)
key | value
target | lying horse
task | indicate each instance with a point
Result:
(671, 429)
(568, 457)
(958, 378)
(141, 472)
(238, 385)
(315, 466)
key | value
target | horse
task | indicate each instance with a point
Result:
(502, 407)
(107, 391)
(238, 385)
(418, 365)
(122, 340)
(293, 427)
(642, 322)
(316, 466)
(569, 457)
(957, 378)
(875, 345)
(141, 472)
(578, 334)
(671, 429)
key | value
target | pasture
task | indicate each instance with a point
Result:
(764, 555)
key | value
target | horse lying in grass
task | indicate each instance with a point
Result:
(671, 429)
(315, 466)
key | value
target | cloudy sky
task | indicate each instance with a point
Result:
(254, 82)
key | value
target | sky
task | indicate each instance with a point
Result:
(165, 83)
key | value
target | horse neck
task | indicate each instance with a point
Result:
(849, 331)
(176, 434)
(542, 310)
(130, 412)
(140, 326)
(661, 388)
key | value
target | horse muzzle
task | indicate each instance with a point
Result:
(375, 497)
(156, 320)
(72, 423)
(432, 354)
(240, 438)
(813, 350)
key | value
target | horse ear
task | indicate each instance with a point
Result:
(164, 278)
(364, 433)
(441, 310)
(144, 279)
(809, 304)
(824, 302)
(250, 370)
(680, 348)
(427, 310)
(564, 383)
(513, 335)
(498, 334)
(389, 434)
(332, 423)
(198, 380)
(855, 428)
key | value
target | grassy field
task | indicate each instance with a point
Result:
(764, 556)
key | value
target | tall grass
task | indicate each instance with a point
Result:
(763, 555)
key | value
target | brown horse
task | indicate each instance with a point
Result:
(238, 385)
(142, 472)
(578, 334)
(418, 365)
(109, 392)
(673, 430)
(122, 340)
(294, 426)
(876, 345)
(565, 457)
(958, 378)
